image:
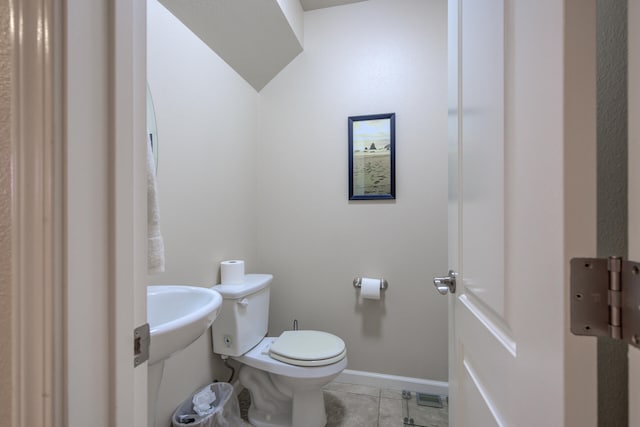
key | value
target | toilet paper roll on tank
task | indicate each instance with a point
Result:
(232, 272)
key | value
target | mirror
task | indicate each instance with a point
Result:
(152, 130)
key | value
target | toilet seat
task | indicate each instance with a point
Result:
(259, 357)
(308, 348)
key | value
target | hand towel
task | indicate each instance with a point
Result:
(155, 244)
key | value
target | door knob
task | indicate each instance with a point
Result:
(446, 284)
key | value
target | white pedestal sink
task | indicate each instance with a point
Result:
(177, 316)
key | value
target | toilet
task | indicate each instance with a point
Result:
(284, 374)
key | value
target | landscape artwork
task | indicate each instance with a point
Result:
(372, 157)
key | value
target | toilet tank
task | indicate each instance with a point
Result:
(244, 315)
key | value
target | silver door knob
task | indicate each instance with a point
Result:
(446, 284)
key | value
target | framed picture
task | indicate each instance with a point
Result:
(372, 157)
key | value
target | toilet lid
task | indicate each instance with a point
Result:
(308, 348)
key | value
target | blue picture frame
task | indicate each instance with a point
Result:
(372, 157)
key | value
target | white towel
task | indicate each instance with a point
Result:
(155, 244)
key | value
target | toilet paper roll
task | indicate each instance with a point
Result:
(232, 272)
(370, 288)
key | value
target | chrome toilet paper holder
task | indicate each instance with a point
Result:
(384, 285)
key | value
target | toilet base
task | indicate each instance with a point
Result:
(308, 409)
(280, 401)
(310, 413)
(260, 418)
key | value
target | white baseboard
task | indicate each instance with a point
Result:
(393, 382)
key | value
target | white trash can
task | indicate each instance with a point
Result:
(226, 410)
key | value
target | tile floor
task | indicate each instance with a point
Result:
(350, 405)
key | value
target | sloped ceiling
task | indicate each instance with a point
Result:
(257, 38)
(319, 4)
(253, 36)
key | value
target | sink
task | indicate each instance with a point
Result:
(177, 316)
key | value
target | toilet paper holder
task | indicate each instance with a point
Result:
(357, 283)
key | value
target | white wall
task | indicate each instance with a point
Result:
(378, 56)
(207, 117)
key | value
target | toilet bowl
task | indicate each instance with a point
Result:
(284, 374)
(286, 394)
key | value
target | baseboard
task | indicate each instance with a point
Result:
(393, 382)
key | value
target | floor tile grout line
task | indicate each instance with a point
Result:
(379, 400)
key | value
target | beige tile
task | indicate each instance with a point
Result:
(353, 388)
(390, 414)
(350, 405)
(346, 409)
(421, 415)
(390, 394)
(427, 416)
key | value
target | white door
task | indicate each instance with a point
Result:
(104, 65)
(522, 154)
(634, 188)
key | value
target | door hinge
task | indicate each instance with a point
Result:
(141, 344)
(605, 298)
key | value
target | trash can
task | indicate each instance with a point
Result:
(225, 410)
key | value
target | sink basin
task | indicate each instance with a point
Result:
(177, 316)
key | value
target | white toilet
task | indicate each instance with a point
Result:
(284, 374)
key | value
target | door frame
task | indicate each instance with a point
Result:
(634, 185)
(77, 212)
(36, 287)
(580, 199)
